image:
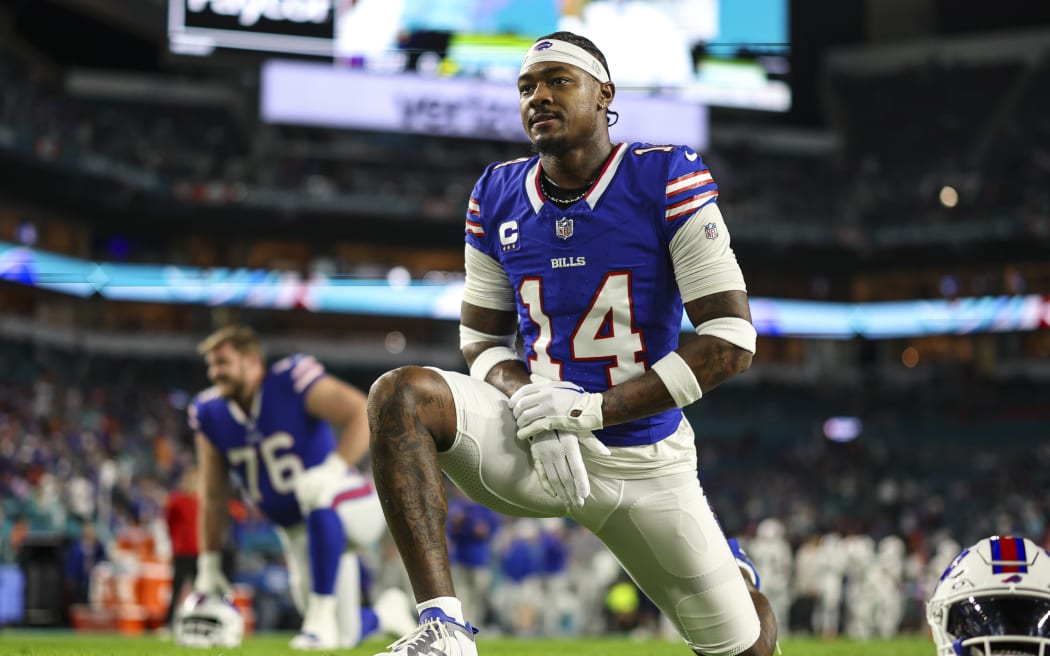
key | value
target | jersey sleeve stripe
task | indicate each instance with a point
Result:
(688, 205)
(306, 372)
(308, 378)
(689, 181)
(351, 494)
(475, 228)
(303, 363)
(473, 207)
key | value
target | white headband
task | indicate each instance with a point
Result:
(566, 53)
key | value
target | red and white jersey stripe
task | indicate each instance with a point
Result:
(693, 180)
(688, 192)
(473, 214)
(305, 372)
(689, 205)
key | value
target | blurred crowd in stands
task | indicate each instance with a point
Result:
(978, 127)
(912, 182)
(965, 159)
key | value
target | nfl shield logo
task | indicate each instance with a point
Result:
(563, 227)
(711, 231)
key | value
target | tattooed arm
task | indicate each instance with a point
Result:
(712, 360)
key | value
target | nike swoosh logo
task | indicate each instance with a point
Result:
(691, 157)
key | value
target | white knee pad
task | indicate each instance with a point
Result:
(350, 494)
(359, 510)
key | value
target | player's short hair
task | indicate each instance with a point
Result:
(579, 42)
(583, 42)
(242, 338)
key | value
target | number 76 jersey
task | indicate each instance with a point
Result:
(594, 284)
(269, 447)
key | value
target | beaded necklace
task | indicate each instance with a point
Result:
(548, 184)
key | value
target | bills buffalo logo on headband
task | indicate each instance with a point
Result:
(552, 50)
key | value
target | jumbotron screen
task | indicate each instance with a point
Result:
(729, 53)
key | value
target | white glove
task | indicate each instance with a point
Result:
(545, 405)
(557, 417)
(558, 462)
(210, 579)
(310, 486)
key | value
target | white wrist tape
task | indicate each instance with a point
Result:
(489, 358)
(468, 336)
(736, 331)
(678, 378)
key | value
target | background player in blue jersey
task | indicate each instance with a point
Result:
(589, 250)
(272, 429)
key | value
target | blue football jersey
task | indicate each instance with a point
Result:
(595, 288)
(269, 448)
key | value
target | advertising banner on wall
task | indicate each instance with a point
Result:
(309, 93)
(292, 26)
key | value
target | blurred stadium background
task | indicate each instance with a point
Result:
(169, 167)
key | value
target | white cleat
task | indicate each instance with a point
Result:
(436, 635)
(396, 612)
(312, 642)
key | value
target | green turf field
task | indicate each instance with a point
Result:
(19, 643)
